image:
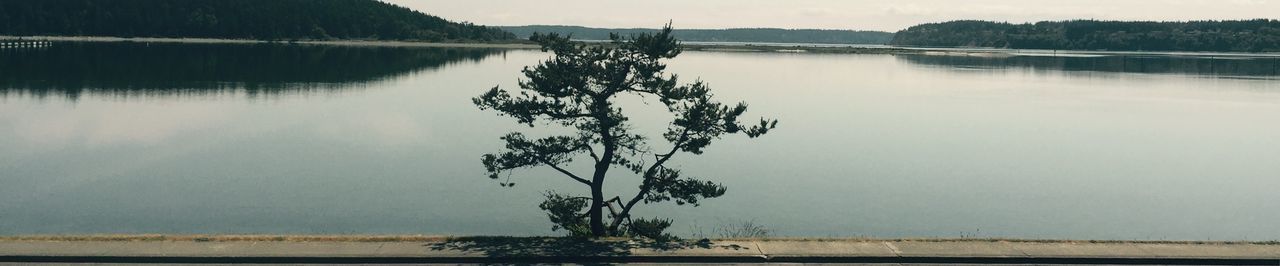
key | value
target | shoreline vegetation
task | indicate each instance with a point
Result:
(439, 238)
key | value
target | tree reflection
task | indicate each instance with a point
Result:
(1248, 67)
(142, 69)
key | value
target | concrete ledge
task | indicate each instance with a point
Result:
(632, 259)
(563, 250)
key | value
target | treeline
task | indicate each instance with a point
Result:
(1259, 35)
(239, 19)
(721, 35)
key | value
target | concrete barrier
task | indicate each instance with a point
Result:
(558, 250)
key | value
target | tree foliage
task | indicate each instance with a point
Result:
(578, 88)
(240, 19)
(1259, 35)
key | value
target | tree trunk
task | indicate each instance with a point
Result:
(597, 210)
(598, 228)
(601, 111)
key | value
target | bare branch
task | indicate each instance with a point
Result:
(647, 184)
(591, 151)
(565, 172)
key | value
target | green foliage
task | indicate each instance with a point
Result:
(667, 185)
(566, 213)
(720, 35)
(1259, 35)
(654, 228)
(239, 19)
(577, 88)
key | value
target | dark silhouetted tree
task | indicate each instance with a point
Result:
(577, 88)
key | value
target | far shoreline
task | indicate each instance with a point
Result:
(744, 47)
(780, 48)
(251, 41)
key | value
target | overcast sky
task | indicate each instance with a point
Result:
(887, 15)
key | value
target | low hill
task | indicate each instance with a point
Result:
(1260, 35)
(721, 35)
(238, 19)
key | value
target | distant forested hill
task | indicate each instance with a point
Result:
(1237, 36)
(243, 19)
(722, 35)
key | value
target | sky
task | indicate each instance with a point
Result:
(885, 15)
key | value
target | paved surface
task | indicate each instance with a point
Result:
(488, 250)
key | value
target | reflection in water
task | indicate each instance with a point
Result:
(124, 69)
(1234, 67)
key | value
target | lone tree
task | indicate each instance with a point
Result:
(577, 88)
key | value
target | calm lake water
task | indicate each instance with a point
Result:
(136, 138)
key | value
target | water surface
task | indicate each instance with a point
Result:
(137, 138)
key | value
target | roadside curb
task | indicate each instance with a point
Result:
(641, 259)
(509, 250)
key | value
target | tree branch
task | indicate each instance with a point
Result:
(565, 172)
(648, 177)
(566, 115)
(591, 151)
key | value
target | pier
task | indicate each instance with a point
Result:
(19, 44)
